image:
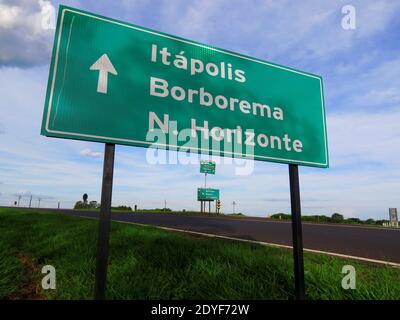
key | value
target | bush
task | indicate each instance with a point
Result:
(337, 218)
(280, 216)
(122, 208)
(87, 205)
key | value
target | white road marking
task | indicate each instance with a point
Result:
(269, 244)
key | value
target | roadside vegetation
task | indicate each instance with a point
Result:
(150, 263)
(335, 218)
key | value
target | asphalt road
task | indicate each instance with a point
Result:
(366, 242)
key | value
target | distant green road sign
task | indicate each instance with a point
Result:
(207, 167)
(207, 194)
(115, 82)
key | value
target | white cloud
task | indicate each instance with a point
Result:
(25, 35)
(378, 96)
(365, 138)
(296, 31)
(23, 193)
(376, 86)
(9, 16)
(267, 29)
(374, 16)
(91, 154)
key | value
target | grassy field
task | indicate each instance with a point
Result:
(149, 263)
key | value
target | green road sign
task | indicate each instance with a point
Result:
(115, 82)
(207, 194)
(207, 167)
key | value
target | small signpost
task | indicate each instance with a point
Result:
(118, 83)
(207, 194)
(206, 167)
(394, 221)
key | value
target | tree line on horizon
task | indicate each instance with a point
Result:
(334, 218)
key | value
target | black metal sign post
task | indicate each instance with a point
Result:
(104, 222)
(297, 237)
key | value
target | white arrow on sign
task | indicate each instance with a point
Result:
(104, 65)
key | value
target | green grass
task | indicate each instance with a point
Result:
(150, 263)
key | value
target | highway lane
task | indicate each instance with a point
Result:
(361, 241)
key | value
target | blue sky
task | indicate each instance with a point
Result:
(360, 68)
